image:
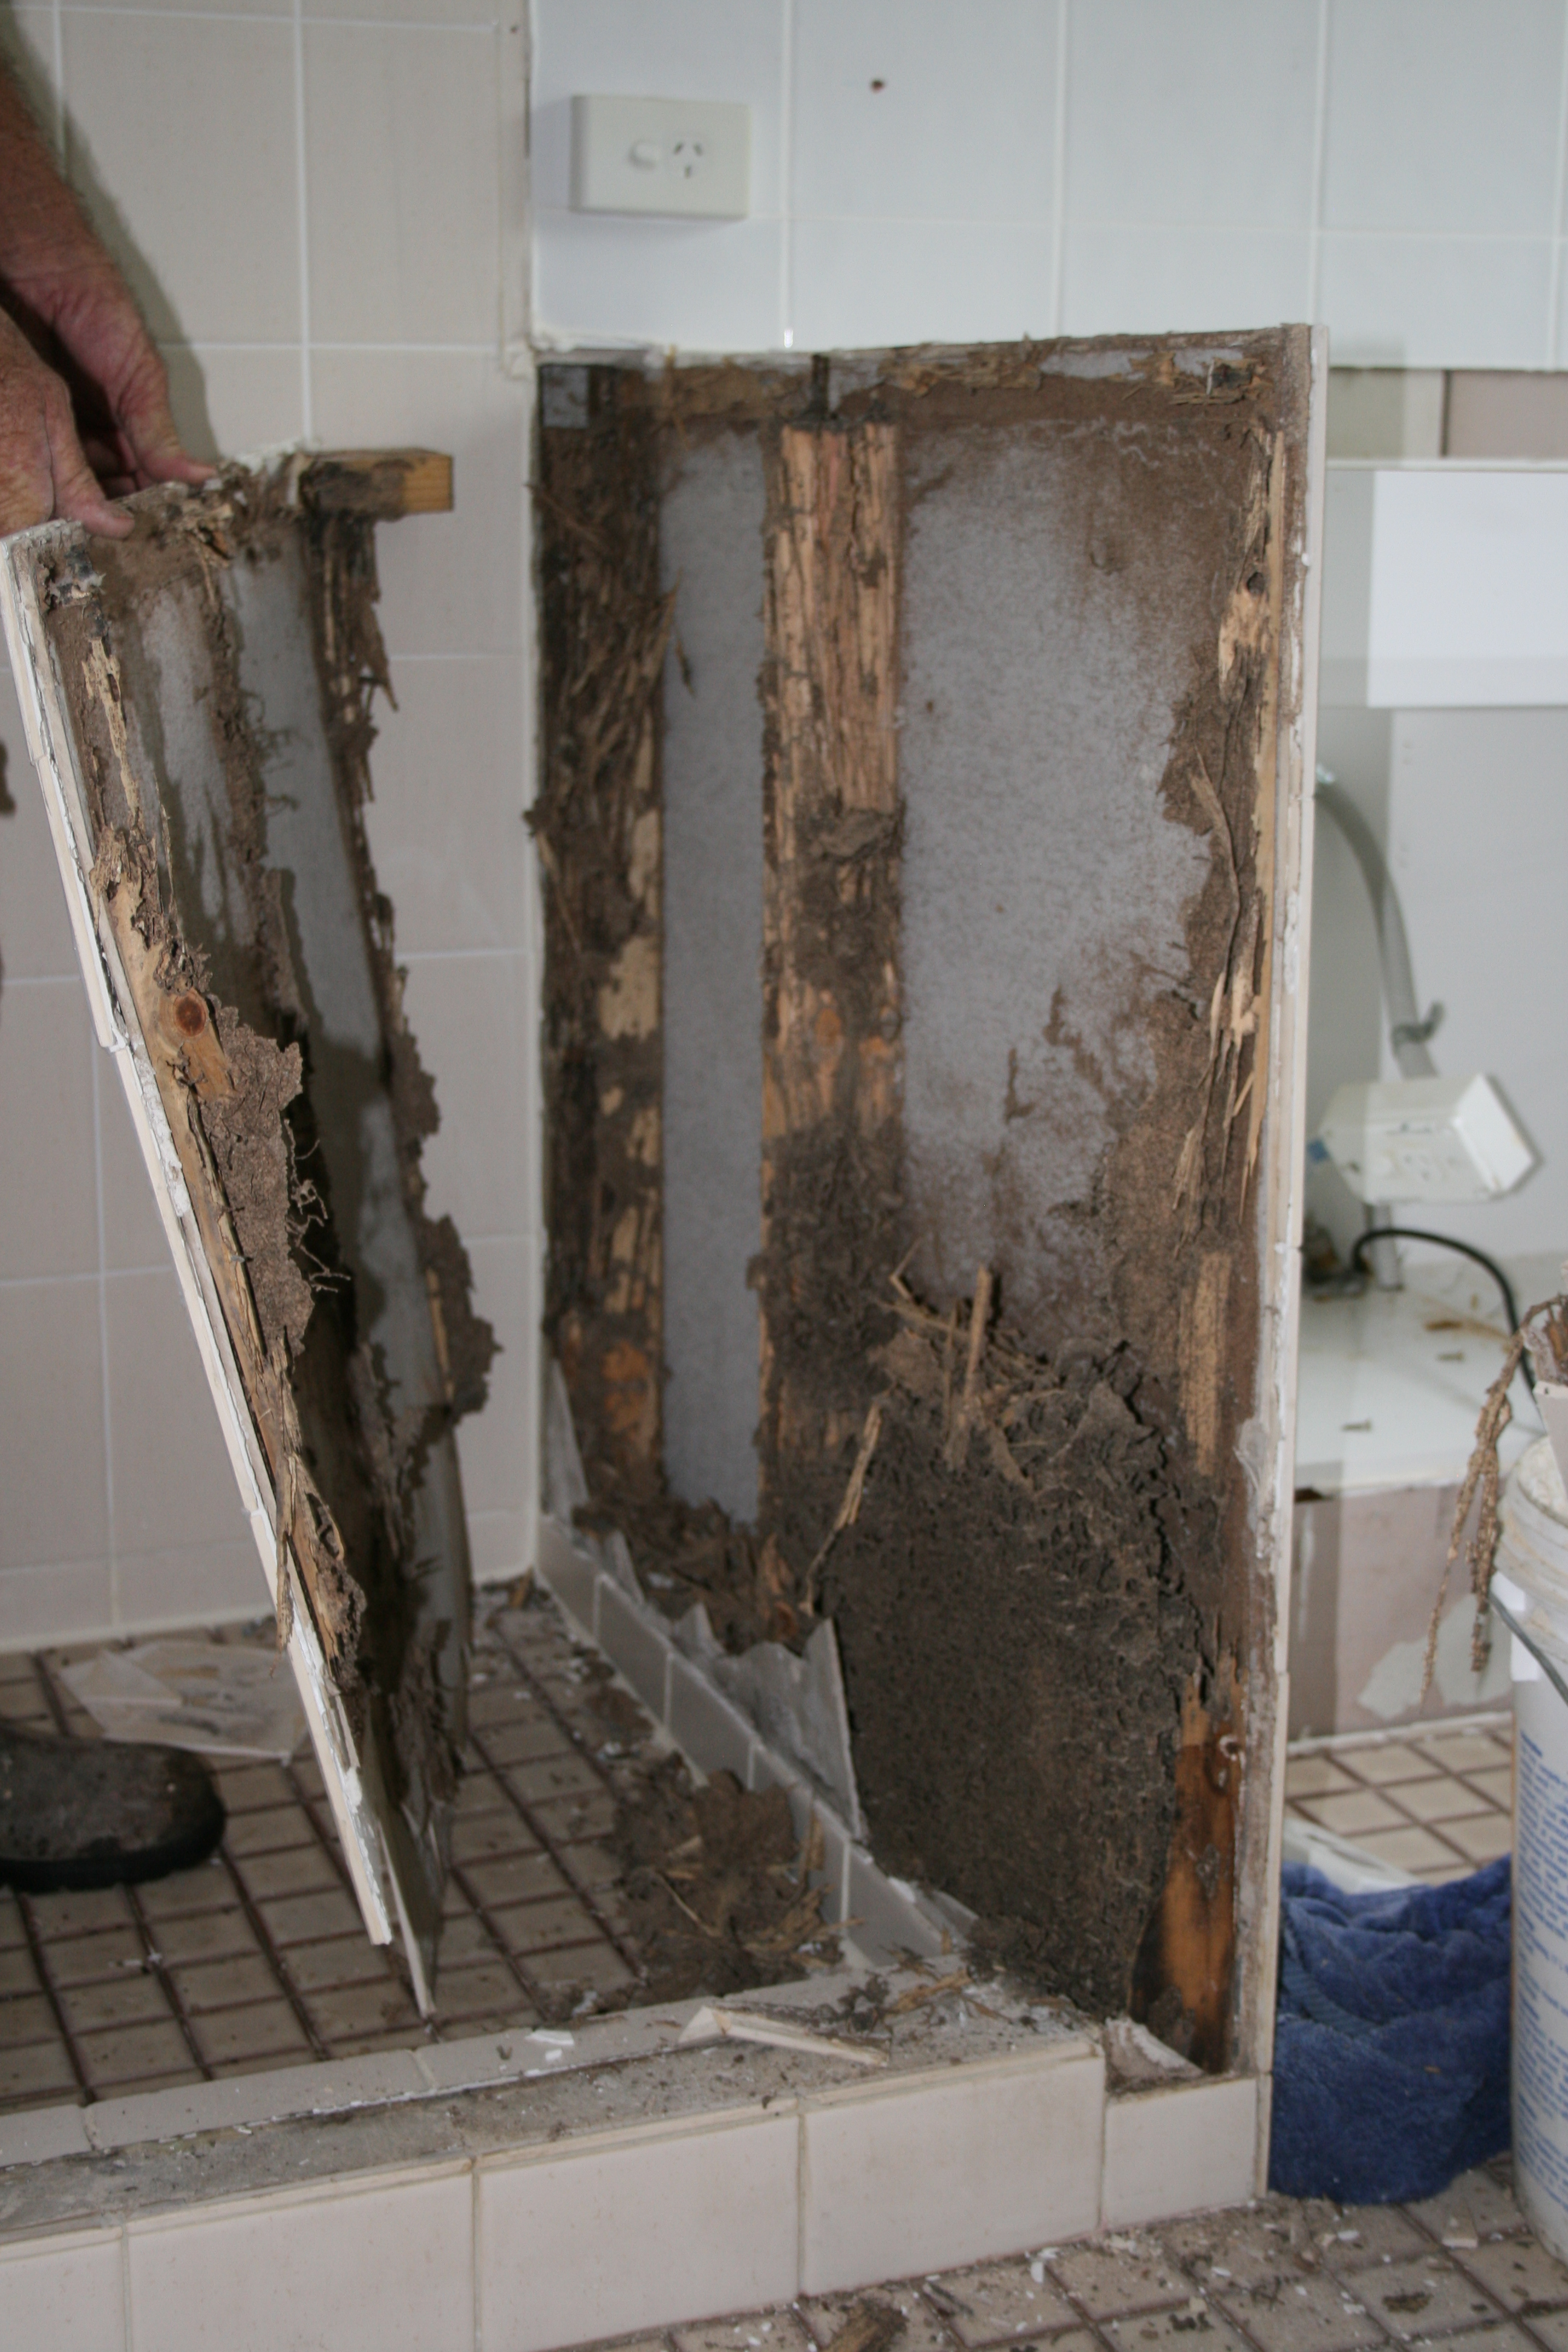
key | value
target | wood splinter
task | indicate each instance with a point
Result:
(849, 1509)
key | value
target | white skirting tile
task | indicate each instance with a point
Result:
(65, 2293)
(1186, 2149)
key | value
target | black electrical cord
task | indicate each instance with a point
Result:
(1445, 1241)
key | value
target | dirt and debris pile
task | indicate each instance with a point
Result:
(1011, 1562)
(716, 1885)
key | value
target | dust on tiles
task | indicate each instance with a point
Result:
(1275, 2275)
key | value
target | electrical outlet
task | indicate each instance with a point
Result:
(1423, 1139)
(687, 157)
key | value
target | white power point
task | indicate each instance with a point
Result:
(1423, 1139)
(689, 157)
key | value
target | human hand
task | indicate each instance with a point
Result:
(44, 470)
(122, 387)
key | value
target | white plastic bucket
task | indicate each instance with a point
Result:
(1531, 1582)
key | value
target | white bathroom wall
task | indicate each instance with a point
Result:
(320, 204)
(925, 171)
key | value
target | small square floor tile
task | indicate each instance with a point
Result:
(1428, 2297)
(490, 1837)
(269, 1829)
(342, 1961)
(261, 2029)
(1441, 1799)
(306, 1918)
(540, 1927)
(1315, 1776)
(1386, 1763)
(380, 2006)
(1244, 2250)
(24, 2018)
(225, 1983)
(250, 1787)
(80, 1915)
(298, 1870)
(1473, 2209)
(1352, 1814)
(39, 2072)
(590, 1866)
(589, 1967)
(129, 2053)
(208, 1888)
(569, 1819)
(1318, 2313)
(999, 2302)
(485, 1988)
(203, 1936)
(76, 1960)
(1465, 1751)
(1408, 1849)
(18, 1973)
(556, 1776)
(1103, 2279)
(522, 1743)
(1496, 1783)
(12, 1930)
(1522, 2274)
(131, 1999)
(1486, 1839)
(517, 1878)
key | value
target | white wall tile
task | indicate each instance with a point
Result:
(27, 44)
(1443, 114)
(173, 1484)
(388, 2269)
(67, 2294)
(962, 129)
(705, 286)
(67, 1600)
(1189, 2149)
(447, 835)
(1145, 280)
(469, 1014)
(53, 1505)
(919, 2174)
(182, 142)
(1193, 116)
(402, 160)
(682, 49)
(637, 2230)
(501, 1544)
(207, 1584)
(864, 283)
(48, 1179)
(232, 402)
(497, 1463)
(35, 931)
(133, 1236)
(450, 584)
(1420, 301)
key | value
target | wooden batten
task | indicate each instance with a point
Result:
(382, 484)
(830, 936)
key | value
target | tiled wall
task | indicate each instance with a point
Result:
(926, 170)
(321, 207)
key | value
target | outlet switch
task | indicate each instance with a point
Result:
(690, 158)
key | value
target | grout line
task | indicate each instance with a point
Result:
(1560, 183)
(39, 1949)
(1059, 172)
(166, 1984)
(1319, 147)
(110, 1528)
(481, 1910)
(786, 174)
(301, 198)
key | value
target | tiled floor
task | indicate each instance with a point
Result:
(1272, 2277)
(258, 1959)
(1439, 1804)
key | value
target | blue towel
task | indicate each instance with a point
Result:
(1391, 2053)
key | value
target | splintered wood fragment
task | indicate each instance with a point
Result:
(916, 1996)
(854, 1493)
(957, 1451)
(384, 483)
(870, 2327)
